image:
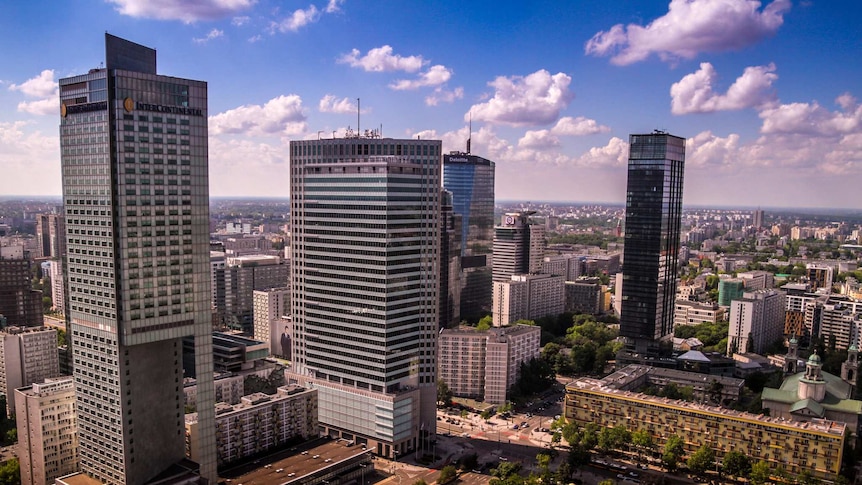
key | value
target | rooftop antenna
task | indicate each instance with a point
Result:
(357, 116)
(470, 132)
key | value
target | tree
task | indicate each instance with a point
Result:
(701, 460)
(61, 337)
(760, 473)
(444, 395)
(506, 469)
(544, 462)
(485, 322)
(674, 448)
(420, 482)
(736, 464)
(447, 474)
(643, 441)
(806, 478)
(10, 473)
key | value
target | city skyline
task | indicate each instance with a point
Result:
(764, 124)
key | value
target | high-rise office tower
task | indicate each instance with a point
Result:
(651, 253)
(470, 179)
(757, 218)
(450, 263)
(519, 246)
(135, 189)
(365, 220)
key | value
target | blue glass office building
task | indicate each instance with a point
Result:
(470, 179)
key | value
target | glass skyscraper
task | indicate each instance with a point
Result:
(651, 252)
(135, 191)
(470, 179)
(365, 236)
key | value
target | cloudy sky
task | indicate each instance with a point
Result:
(767, 93)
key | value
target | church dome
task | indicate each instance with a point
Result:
(814, 359)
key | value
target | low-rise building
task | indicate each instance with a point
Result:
(816, 446)
(260, 422)
(692, 313)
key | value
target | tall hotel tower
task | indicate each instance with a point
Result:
(135, 189)
(471, 180)
(365, 239)
(651, 252)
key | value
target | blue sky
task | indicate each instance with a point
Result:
(767, 93)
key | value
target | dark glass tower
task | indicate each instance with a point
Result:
(650, 257)
(136, 201)
(470, 179)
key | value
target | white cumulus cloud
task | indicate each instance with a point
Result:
(283, 115)
(31, 157)
(297, 20)
(334, 6)
(614, 154)
(694, 93)
(535, 99)
(568, 126)
(691, 27)
(382, 59)
(186, 11)
(434, 76)
(812, 119)
(213, 34)
(331, 104)
(40, 86)
(538, 140)
(441, 95)
(240, 21)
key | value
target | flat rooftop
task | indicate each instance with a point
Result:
(299, 461)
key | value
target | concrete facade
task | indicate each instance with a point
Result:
(47, 430)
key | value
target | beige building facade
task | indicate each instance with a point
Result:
(47, 434)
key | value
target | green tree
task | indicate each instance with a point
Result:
(736, 464)
(447, 474)
(643, 441)
(61, 337)
(701, 460)
(674, 448)
(543, 460)
(444, 395)
(10, 473)
(760, 473)
(506, 469)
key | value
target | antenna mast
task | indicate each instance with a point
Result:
(357, 116)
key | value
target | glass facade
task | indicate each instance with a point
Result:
(470, 179)
(136, 201)
(653, 215)
(365, 218)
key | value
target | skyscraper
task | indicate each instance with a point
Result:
(135, 189)
(470, 179)
(519, 246)
(651, 253)
(365, 216)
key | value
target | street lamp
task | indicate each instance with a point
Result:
(362, 466)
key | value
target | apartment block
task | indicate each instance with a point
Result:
(693, 313)
(27, 355)
(584, 296)
(47, 430)
(269, 307)
(485, 364)
(756, 320)
(260, 422)
(816, 446)
(528, 297)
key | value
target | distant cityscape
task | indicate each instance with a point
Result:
(392, 320)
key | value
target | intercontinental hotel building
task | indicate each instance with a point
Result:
(135, 191)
